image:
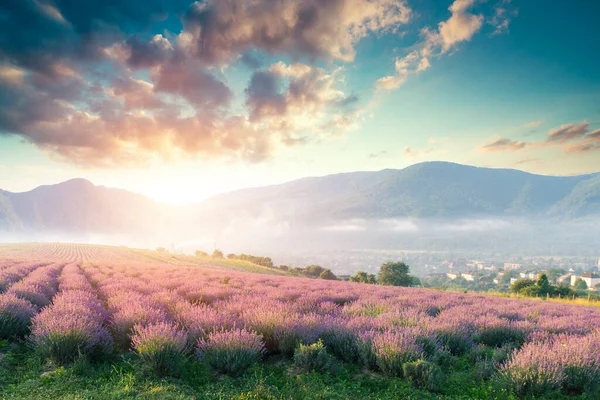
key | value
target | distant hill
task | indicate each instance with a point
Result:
(78, 206)
(427, 190)
(365, 206)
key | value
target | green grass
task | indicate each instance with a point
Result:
(24, 374)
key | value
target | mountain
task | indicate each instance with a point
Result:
(427, 190)
(78, 206)
(435, 204)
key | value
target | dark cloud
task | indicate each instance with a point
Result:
(250, 61)
(264, 97)
(193, 83)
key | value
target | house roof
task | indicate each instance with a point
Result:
(590, 275)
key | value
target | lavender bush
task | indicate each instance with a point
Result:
(423, 374)
(313, 357)
(162, 346)
(231, 352)
(15, 316)
(393, 349)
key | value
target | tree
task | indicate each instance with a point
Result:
(363, 277)
(531, 291)
(314, 270)
(328, 275)
(200, 253)
(580, 284)
(521, 284)
(217, 253)
(395, 274)
(543, 285)
(284, 268)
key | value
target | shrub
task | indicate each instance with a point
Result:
(457, 342)
(231, 352)
(313, 357)
(484, 369)
(393, 349)
(64, 338)
(15, 316)
(496, 332)
(365, 350)
(424, 374)
(532, 371)
(161, 346)
(342, 343)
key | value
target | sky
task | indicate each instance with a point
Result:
(180, 100)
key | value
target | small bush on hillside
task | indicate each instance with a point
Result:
(161, 346)
(231, 352)
(15, 316)
(424, 375)
(314, 357)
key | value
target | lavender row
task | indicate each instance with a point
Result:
(74, 324)
(25, 298)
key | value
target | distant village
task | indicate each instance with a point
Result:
(482, 275)
(459, 271)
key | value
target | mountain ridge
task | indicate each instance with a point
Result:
(434, 191)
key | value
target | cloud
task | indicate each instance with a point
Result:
(502, 17)
(533, 124)
(298, 97)
(88, 83)
(410, 152)
(379, 154)
(568, 132)
(572, 138)
(503, 145)
(460, 27)
(581, 147)
(223, 29)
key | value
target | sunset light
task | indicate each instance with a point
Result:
(299, 199)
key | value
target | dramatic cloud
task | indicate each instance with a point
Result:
(223, 29)
(460, 27)
(297, 97)
(503, 145)
(93, 83)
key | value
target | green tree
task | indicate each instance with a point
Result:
(521, 284)
(580, 284)
(200, 253)
(328, 275)
(314, 270)
(217, 253)
(284, 268)
(394, 274)
(363, 277)
(543, 285)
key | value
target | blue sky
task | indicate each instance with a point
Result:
(181, 100)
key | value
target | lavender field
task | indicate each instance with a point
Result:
(70, 302)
